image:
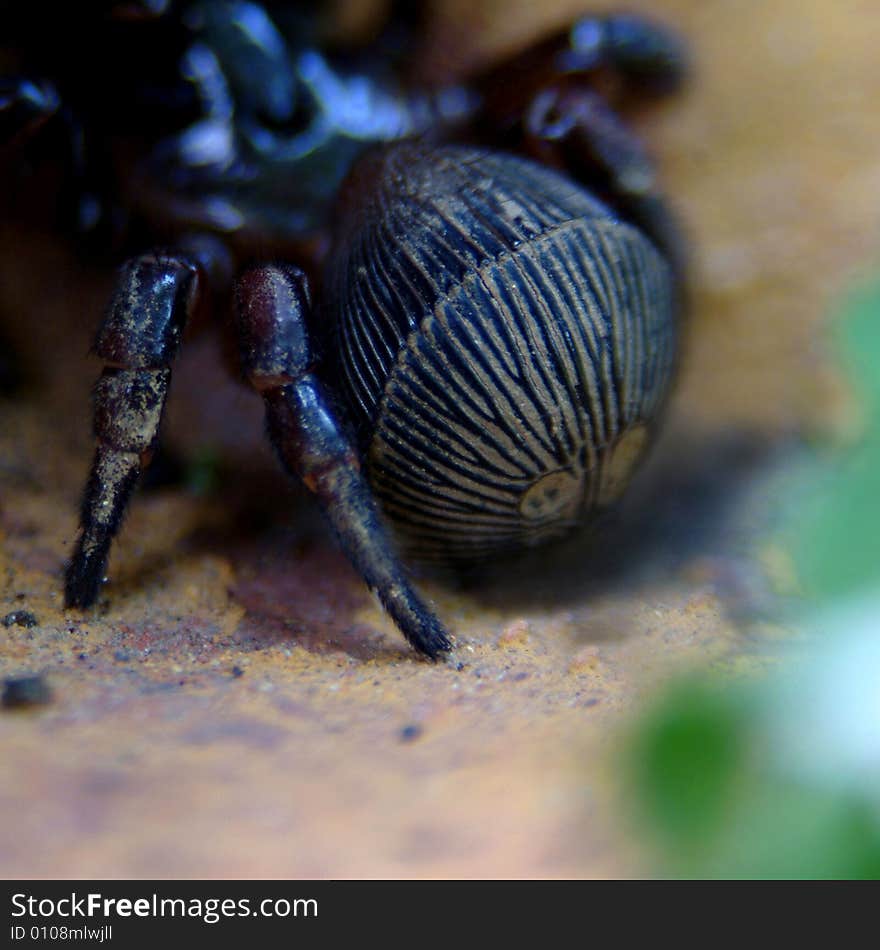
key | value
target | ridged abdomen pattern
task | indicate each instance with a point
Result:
(506, 342)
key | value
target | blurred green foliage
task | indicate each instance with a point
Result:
(834, 536)
(781, 778)
(716, 802)
(687, 757)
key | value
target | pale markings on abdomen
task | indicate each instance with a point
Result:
(557, 415)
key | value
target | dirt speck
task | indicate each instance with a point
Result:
(20, 692)
(19, 618)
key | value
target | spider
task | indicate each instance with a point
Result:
(459, 303)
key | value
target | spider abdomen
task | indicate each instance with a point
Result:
(505, 340)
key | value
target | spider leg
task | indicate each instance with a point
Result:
(648, 58)
(25, 104)
(155, 294)
(576, 128)
(628, 58)
(561, 100)
(272, 307)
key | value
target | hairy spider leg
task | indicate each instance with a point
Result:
(272, 309)
(154, 296)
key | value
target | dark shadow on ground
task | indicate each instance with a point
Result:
(699, 501)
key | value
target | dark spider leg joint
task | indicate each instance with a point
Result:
(566, 121)
(154, 295)
(272, 305)
(555, 95)
(577, 127)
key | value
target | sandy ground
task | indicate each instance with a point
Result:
(237, 705)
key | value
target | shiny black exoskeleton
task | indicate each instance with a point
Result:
(500, 329)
